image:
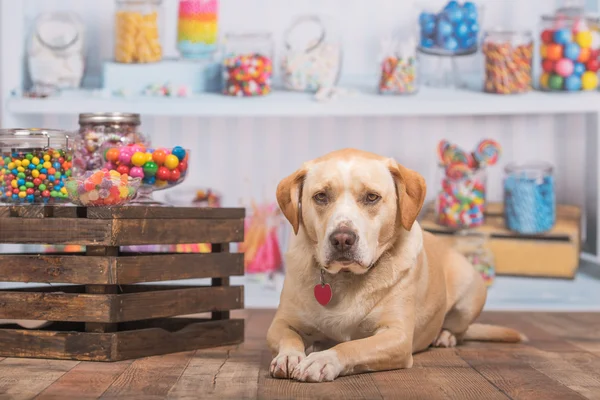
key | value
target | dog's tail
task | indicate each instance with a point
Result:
(493, 333)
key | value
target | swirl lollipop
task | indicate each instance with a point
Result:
(487, 153)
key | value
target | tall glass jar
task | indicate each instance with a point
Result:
(99, 130)
(460, 201)
(197, 28)
(529, 198)
(247, 64)
(569, 51)
(137, 31)
(399, 67)
(313, 55)
(473, 246)
(34, 165)
(508, 61)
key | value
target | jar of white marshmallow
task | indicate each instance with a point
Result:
(312, 58)
(55, 53)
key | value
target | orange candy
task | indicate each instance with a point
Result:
(554, 52)
(584, 55)
(159, 157)
(112, 154)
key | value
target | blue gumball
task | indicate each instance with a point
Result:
(470, 16)
(450, 44)
(454, 15)
(178, 152)
(466, 43)
(474, 28)
(562, 36)
(444, 28)
(427, 43)
(426, 17)
(470, 6)
(579, 69)
(572, 51)
(462, 31)
(573, 83)
(428, 28)
(451, 4)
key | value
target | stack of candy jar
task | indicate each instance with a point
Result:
(313, 56)
(247, 66)
(473, 246)
(529, 198)
(34, 165)
(569, 52)
(398, 68)
(508, 61)
(454, 30)
(197, 28)
(137, 38)
(102, 188)
(460, 202)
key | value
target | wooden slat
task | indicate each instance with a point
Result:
(24, 379)
(164, 267)
(55, 231)
(141, 212)
(221, 281)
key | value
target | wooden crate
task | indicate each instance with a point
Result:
(553, 254)
(108, 312)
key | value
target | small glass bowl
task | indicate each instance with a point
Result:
(102, 188)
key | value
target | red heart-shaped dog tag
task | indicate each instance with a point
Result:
(323, 294)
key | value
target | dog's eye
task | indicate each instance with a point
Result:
(373, 197)
(320, 198)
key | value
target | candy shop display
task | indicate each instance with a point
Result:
(56, 52)
(473, 246)
(137, 37)
(34, 165)
(313, 56)
(262, 253)
(102, 188)
(247, 65)
(101, 130)
(398, 68)
(508, 61)
(460, 202)
(452, 31)
(197, 28)
(529, 198)
(569, 52)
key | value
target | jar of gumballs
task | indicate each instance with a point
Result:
(99, 131)
(529, 198)
(472, 246)
(137, 31)
(508, 61)
(34, 166)
(569, 51)
(247, 64)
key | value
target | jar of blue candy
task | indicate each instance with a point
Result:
(529, 198)
(452, 30)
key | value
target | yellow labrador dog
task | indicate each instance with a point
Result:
(361, 273)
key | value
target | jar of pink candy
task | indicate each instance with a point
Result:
(460, 201)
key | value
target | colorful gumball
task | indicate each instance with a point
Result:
(564, 36)
(178, 152)
(112, 154)
(159, 157)
(556, 82)
(150, 169)
(554, 52)
(572, 51)
(163, 174)
(545, 80)
(174, 175)
(564, 67)
(589, 81)
(583, 38)
(136, 172)
(548, 66)
(123, 169)
(544, 51)
(547, 36)
(584, 54)
(579, 69)
(592, 65)
(182, 167)
(138, 159)
(171, 161)
(125, 156)
(573, 83)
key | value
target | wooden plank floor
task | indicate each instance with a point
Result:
(561, 361)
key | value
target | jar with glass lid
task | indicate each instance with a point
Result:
(34, 166)
(473, 246)
(137, 31)
(99, 130)
(508, 61)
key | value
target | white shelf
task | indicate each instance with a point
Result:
(428, 102)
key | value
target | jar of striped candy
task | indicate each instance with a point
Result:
(529, 198)
(508, 58)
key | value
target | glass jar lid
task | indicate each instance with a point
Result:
(109, 118)
(530, 170)
(33, 138)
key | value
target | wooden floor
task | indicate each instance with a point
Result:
(561, 361)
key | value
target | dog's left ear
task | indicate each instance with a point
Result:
(289, 193)
(411, 190)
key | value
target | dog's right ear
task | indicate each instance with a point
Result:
(289, 193)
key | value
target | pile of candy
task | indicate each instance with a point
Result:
(529, 199)
(197, 27)
(35, 176)
(461, 200)
(137, 38)
(157, 168)
(247, 75)
(482, 264)
(507, 67)
(570, 59)
(453, 30)
(398, 75)
(102, 188)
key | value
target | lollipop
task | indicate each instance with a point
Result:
(487, 152)
(458, 170)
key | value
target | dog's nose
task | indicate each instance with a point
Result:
(342, 239)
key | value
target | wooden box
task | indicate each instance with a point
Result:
(109, 312)
(552, 254)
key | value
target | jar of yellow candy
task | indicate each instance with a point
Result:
(137, 31)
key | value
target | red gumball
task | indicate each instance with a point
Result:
(548, 66)
(123, 169)
(592, 65)
(595, 54)
(182, 167)
(163, 174)
(37, 182)
(174, 175)
(547, 36)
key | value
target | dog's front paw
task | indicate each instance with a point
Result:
(285, 362)
(322, 366)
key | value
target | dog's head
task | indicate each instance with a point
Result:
(351, 205)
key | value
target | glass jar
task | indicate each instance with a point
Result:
(472, 246)
(508, 60)
(313, 55)
(529, 198)
(34, 165)
(247, 64)
(137, 31)
(569, 51)
(99, 130)
(398, 68)
(197, 28)
(56, 51)
(460, 201)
